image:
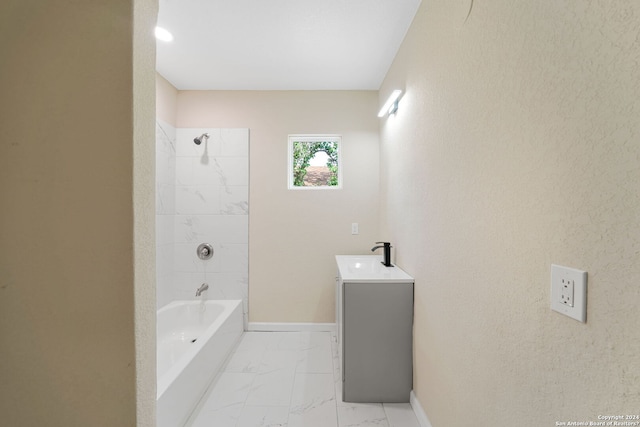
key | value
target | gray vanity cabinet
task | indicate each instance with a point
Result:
(375, 325)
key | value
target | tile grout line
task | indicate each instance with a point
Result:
(244, 404)
(277, 348)
(295, 374)
(333, 375)
(254, 379)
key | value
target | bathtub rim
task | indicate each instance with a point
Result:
(164, 382)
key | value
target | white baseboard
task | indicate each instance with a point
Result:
(291, 327)
(417, 409)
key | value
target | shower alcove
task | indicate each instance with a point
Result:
(202, 196)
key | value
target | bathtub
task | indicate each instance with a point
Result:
(194, 339)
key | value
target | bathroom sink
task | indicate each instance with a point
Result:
(369, 268)
(371, 264)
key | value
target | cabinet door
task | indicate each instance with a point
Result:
(378, 326)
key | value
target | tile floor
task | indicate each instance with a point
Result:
(278, 379)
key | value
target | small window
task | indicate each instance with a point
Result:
(314, 162)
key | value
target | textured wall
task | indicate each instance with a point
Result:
(293, 235)
(145, 13)
(76, 287)
(516, 146)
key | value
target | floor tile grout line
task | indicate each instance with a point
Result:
(333, 379)
(258, 364)
(386, 415)
(255, 374)
(254, 378)
(333, 392)
(244, 404)
(333, 375)
(295, 373)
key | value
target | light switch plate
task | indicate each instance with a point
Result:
(569, 292)
(354, 228)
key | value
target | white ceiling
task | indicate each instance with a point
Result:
(281, 44)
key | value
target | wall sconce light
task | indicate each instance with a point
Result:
(391, 106)
(163, 35)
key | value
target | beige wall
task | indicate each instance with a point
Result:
(145, 14)
(70, 330)
(516, 146)
(294, 235)
(166, 102)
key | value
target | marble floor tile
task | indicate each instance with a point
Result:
(284, 340)
(316, 357)
(272, 380)
(362, 415)
(313, 401)
(337, 387)
(272, 388)
(230, 389)
(256, 341)
(224, 417)
(278, 359)
(264, 416)
(244, 361)
(335, 356)
(315, 339)
(400, 415)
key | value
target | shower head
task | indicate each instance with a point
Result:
(198, 140)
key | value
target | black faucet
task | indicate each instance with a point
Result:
(387, 253)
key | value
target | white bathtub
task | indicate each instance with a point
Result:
(194, 338)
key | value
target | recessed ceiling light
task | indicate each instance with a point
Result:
(163, 35)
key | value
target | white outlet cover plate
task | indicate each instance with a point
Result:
(579, 277)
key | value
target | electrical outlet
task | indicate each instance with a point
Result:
(354, 228)
(569, 292)
(566, 291)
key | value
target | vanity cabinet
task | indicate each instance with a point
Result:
(374, 318)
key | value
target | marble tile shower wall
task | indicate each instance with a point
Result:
(210, 203)
(165, 210)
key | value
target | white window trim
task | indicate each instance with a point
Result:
(313, 138)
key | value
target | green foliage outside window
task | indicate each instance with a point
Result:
(304, 151)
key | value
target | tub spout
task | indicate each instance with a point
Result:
(201, 289)
(387, 253)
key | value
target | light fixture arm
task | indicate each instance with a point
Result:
(391, 106)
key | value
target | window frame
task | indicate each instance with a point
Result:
(313, 138)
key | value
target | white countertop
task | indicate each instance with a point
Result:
(369, 268)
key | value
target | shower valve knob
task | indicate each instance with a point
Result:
(205, 251)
